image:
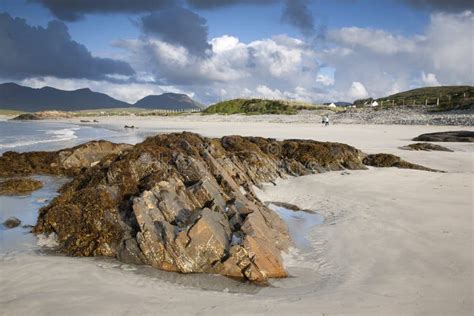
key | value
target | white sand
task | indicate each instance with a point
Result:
(394, 241)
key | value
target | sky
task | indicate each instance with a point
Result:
(212, 50)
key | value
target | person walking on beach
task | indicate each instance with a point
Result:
(325, 121)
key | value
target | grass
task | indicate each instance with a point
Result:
(450, 98)
(261, 106)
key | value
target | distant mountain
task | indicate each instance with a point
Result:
(168, 101)
(20, 98)
(342, 103)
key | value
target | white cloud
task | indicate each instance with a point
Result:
(386, 63)
(429, 79)
(280, 64)
(324, 80)
(357, 91)
(378, 41)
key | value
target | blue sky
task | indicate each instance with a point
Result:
(380, 35)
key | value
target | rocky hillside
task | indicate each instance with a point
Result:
(181, 202)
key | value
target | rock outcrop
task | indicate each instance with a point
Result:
(19, 186)
(454, 136)
(182, 202)
(63, 162)
(12, 222)
(389, 160)
(426, 147)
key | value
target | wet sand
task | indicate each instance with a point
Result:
(392, 242)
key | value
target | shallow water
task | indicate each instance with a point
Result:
(299, 224)
(25, 208)
(23, 136)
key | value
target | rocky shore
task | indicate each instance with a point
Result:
(181, 202)
(404, 115)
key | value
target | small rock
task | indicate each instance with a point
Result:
(19, 186)
(426, 147)
(12, 222)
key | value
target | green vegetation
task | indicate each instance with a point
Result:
(261, 106)
(440, 98)
(10, 112)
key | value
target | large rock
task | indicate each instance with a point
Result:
(182, 202)
(63, 162)
(18, 186)
(453, 136)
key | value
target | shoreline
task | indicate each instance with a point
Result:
(394, 241)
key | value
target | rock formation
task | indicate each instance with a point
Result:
(389, 160)
(12, 222)
(63, 162)
(426, 147)
(454, 136)
(19, 186)
(182, 202)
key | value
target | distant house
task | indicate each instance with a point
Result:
(374, 103)
(332, 105)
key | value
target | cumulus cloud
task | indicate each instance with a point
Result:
(429, 79)
(178, 26)
(281, 63)
(379, 41)
(324, 80)
(357, 91)
(386, 63)
(72, 10)
(29, 51)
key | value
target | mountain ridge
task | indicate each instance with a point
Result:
(16, 97)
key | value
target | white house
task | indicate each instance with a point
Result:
(332, 105)
(374, 103)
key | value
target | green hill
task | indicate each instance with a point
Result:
(442, 98)
(261, 106)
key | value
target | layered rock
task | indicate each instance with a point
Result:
(18, 186)
(426, 147)
(452, 136)
(389, 160)
(182, 202)
(63, 162)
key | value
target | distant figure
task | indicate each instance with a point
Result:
(325, 121)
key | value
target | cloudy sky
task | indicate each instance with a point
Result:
(219, 49)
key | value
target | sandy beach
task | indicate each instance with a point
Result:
(393, 241)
